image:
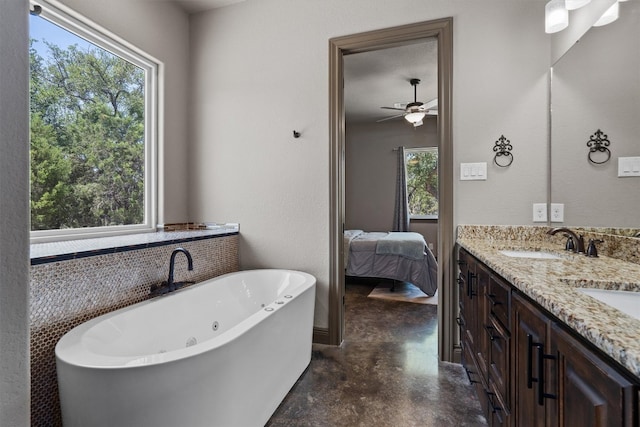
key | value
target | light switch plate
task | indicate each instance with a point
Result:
(628, 166)
(557, 212)
(539, 212)
(473, 171)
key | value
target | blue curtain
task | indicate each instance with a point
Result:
(401, 211)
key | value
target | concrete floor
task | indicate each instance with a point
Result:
(386, 373)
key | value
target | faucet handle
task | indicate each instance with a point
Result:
(570, 245)
(592, 250)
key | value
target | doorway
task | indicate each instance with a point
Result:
(442, 31)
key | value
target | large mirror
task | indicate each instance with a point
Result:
(595, 86)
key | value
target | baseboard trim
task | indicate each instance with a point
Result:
(321, 336)
(457, 354)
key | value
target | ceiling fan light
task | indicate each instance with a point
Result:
(609, 16)
(415, 117)
(556, 16)
(575, 4)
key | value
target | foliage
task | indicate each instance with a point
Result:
(422, 182)
(87, 139)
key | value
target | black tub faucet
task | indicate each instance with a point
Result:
(170, 285)
(578, 239)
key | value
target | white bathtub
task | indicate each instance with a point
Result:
(223, 352)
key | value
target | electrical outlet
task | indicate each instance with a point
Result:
(557, 212)
(539, 212)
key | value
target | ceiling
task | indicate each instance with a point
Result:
(381, 78)
(194, 6)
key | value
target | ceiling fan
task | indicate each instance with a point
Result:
(415, 111)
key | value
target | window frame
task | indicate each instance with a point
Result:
(83, 27)
(421, 150)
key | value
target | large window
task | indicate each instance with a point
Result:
(422, 182)
(93, 139)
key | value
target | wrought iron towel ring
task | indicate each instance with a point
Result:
(598, 142)
(503, 148)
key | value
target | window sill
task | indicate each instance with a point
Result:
(42, 253)
(423, 219)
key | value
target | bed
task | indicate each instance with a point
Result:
(391, 255)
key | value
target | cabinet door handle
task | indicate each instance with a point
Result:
(470, 292)
(459, 321)
(469, 376)
(491, 336)
(541, 358)
(494, 408)
(529, 361)
(492, 299)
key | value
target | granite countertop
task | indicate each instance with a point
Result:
(554, 285)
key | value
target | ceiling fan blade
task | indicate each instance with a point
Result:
(392, 108)
(431, 105)
(384, 119)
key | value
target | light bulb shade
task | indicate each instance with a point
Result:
(414, 117)
(609, 16)
(575, 4)
(556, 16)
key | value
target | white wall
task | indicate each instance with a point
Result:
(260, 70)
(14, 214)
(161, 29)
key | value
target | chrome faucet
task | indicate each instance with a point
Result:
(170, 285)
(577, 238)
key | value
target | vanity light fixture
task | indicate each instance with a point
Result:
(556, 16)
(609, 16)
(575, 4)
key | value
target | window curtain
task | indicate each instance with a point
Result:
(401, 211)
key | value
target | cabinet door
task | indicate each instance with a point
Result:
(480, 330)
(533, 404)
(591, 392)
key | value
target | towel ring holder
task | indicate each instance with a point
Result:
(599, 143)
(503, 148)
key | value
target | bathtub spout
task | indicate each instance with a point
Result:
(171, 285)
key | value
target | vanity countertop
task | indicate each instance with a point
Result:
(554, 283)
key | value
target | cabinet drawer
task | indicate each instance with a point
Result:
(475, 378)
(499, 299)
(500, 357)
(498, 411)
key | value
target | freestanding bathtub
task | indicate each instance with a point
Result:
(223, 352)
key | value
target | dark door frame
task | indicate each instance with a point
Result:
(442, 30)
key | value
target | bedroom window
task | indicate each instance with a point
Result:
(93, 120)
(422, 182)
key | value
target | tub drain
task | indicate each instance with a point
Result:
(215, 326)
(192, 341)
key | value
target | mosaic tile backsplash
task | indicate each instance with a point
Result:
(67, 293)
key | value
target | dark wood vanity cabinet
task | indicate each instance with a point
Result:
(533, 367)
(528, 368)
(591, 392)
(484, 336)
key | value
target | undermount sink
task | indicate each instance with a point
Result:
(530, 254)
(626, 301)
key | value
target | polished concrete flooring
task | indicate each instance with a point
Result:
(386, 373)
